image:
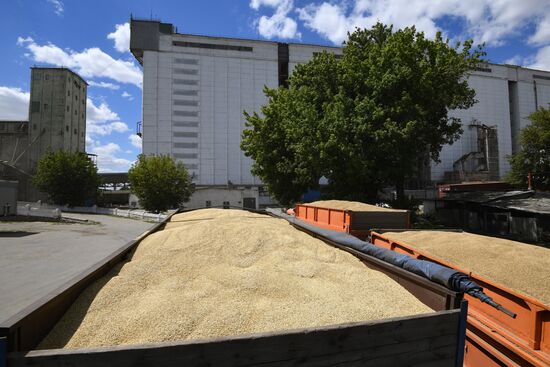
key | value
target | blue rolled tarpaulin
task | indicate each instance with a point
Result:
(449, 278)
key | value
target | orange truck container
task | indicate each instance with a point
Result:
(493, 338)
(356, 223)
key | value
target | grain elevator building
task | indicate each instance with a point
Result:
(195, 89)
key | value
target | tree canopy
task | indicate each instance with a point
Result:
(534, 155)
(68, 178)
(159, 182)
(362, 120)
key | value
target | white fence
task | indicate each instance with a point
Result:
(38, 209)
(34, 210)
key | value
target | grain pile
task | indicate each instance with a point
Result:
(216, 272)
(351, 205)
(519, 266)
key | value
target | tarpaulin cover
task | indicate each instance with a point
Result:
(450, 278)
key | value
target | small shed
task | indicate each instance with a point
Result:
(519, 215)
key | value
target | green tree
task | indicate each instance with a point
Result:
(68, 178)
(363, 120)
(159, 182)
(534, 156)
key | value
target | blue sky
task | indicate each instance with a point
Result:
(91, 37)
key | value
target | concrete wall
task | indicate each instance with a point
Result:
(57, 112)
(13, 141)
(299, 53)
(217, 197)
(193, 103)
(506, 97)
(8, 198)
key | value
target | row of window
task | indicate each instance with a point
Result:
(185, 124)
(37, 76)
(186, 61)
(185, 103)
(185, 134)
(34, 127)
(212, 46)
(226, 204)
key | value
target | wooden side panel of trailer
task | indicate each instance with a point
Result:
(423, 340)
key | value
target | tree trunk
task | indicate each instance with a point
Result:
(400, 201)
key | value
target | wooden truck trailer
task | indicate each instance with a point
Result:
(435, 339)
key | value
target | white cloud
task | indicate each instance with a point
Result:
(278, 25)
(541, 60)
(101, 120)
(135, 140)
(89, 63)
(99, 114)
(490, 21)
(329, 21)
(58, 5)
(121, 36)
(14, 104)
(255, 4)
(107, 160)
(542, 34)
(111, 86)
(127, 95)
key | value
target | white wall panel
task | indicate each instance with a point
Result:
(228, 82)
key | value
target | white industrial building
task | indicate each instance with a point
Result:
(195, 89)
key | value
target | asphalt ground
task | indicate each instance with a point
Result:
(38, 257)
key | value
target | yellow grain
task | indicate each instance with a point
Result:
(351, 205)
(214, 273)
(519, 266)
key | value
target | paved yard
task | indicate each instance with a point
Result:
(37, 257)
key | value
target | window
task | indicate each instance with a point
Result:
(186, 103)
(186, 155)
(34, 126)
(45, 106)
(46, 77)
(185, 124)
(35, 106)
(185, 71)
(185, 81)
(75, 112)
(186, 113)
(75, 131)
(82, 115)
(186, 145)
(67, 128)
(68, 93)
(208, 203)
(212, 46)
(187, 61)
(186, 92)
(76, 97)
(185, 134)
(68, 108)
(482, 69)
(226, 204)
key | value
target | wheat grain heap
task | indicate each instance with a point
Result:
(215, 272)
(519, 266)
(351, 205)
